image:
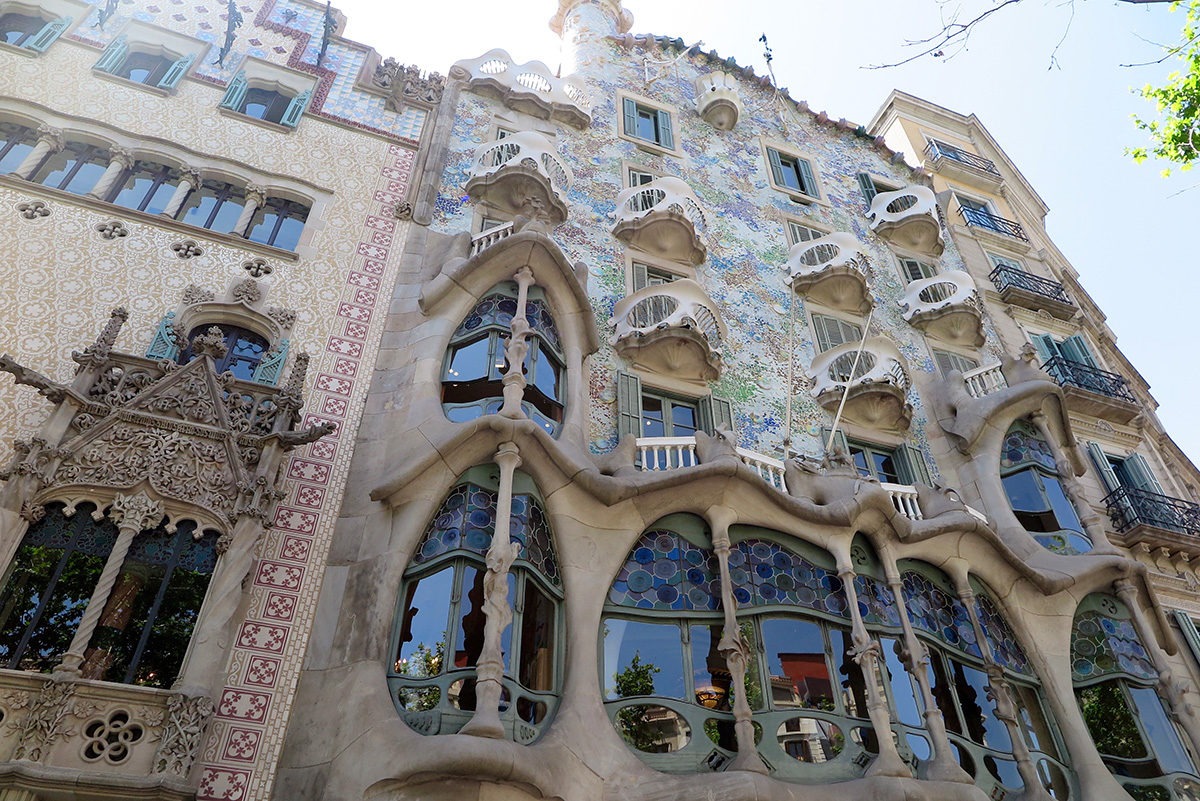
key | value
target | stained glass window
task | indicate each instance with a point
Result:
(1103, 645)
(1035, 491)
(935, 611)
(1025, 445)
(764, 573)
(665, 571)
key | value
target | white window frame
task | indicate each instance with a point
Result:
(782, 149)
(676, 270)
(790, 224)
(654, 146)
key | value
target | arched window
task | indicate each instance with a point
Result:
(1115, 684)
(667, 687)
(1035, 491)
(16, 142)
(962, 688)
(31, 31)
(147, 621)
(244, 350)
(278, 222)
(265, 104)
(215, 205)
(75, 168)
(147, 187)
(440, 620)
(475, 363)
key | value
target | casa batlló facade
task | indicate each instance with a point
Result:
(628, 431)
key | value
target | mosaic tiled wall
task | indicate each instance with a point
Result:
(745, 273)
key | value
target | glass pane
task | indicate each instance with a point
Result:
(199, 206)
(423, 629)
(1063, 510)
(227, 215)
(88, 174)
(1032, 719)
(136, 187)
(537, 639)
(11, 159)
(53, 629)
(710, 674)
(469, 642)
(653, 424)
(885, 467)
(791, 172)
(854, 687)
(642, 659)
(943, 696)
(1110, 721)
(683, 420)
(1024, 494)
(1005, 771)
(469, 362)
(160, 198)
(860, 462)
(262, 227)
(653, 729)
(977, 711)
(58, 166)
(904, 693)
(796, 664)
(647, 124)
(810, 740)
(546, 377)
(288, 235)
(1161, 732)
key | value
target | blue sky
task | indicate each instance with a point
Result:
(1129, 232)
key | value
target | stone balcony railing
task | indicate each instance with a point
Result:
(831, 270)
(674, 329)
(908, 217)
(1033, 292)
(84, 739)
(1090, 390)
(674, 453)
(492, 236)
(984, 380)
(946, 306)
(876, 389)
(717, 100)
(529, 88)
(664, 218)
(520, 169)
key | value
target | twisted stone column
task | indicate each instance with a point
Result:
(256, 196)
(50, 140)
(190, 180)
(866, 654)
(489, 669)
(132, 514)
(734, 648)
(517, 348)
(120, 160)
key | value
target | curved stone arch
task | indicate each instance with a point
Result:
(175, 511)
(18, 117)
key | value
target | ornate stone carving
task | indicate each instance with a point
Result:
(98, 352)
(51, 390)
(187, 249)
(45, 721)
(246, 291)
(285, 317)
(257, 267)
(111, 737)
(196, 294)
(138, 511)
(211, 343)
(113, 229)
(33, 209)
(403, 210)
(187, 720)
(407, 82)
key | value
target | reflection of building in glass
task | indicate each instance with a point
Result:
(623, 430)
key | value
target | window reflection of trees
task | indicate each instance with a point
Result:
(441, 620)
(669, 691)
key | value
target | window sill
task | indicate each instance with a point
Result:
(799, 197)
(117, 79)
(21, 51)
(651, 147)
(270, 126)
(104, 207)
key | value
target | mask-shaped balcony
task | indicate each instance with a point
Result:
(673, 329)
(945, 306)
(878, 385)
(908, 218)
(509, 172)
(662, 217)
(831, 270)
(529, 88)
(717, 100)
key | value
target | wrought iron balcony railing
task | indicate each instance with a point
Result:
(940, 150)
(1093, 379)
(1011, 278)
(1132, 507)
(988, 221)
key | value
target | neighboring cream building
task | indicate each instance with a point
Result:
(792, 431)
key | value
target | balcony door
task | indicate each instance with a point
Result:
(1073, 349)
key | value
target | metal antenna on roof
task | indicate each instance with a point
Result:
(778, 99)
(666, 64)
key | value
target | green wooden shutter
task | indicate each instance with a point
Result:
(235, 93)
(1187, 627)
(291, 117)
(1141, 475)
(163, 345)
(666, 137)
(630, 117)
(640, 279)
(912, 466)
(715, 412)
(1108, 476)
(1047, 348)
(776, 166)
(1076, 349)
(112, 56)
(915, 270)
(831, 332)
(629, 405)
(48, 34)
(807, 180)
(271, 367)
(176, 72)
(867, 186)
(947, 362)
(848, 332)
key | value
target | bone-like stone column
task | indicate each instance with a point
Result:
(132, 514)
(734, 648)
(517, 348)
(866, 654)
(489, 670)
(943, 766)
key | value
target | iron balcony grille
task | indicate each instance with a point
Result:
(939, 150)
(1008, 277)
(1084, 376)
(983, 219)
(1132, 507)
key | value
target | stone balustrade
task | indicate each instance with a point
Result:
(945, 306)
(904, 498)
(485, 239)
(831, 270)
(985, 380)
(673, 453)
(662, 217)
(674, 329)
(520, 169)
(531, 88)
(908, 217)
